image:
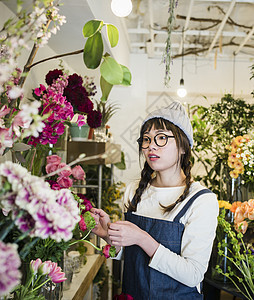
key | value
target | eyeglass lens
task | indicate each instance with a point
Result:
(160, 139)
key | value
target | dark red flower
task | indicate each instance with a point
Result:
(86, 106)
(82, 224)
(85, 202)
(94, 119)
(53, 75)
(74, 81)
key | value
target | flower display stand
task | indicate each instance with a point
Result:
(90, 148)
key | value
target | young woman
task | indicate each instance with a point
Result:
(170, 221)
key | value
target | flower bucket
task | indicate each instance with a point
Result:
(79, 133)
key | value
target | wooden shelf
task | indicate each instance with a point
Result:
(74, 149)
(82, 280)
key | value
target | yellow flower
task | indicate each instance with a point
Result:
(224, 204)
(234, 174)
(231, 164)
(232, 156)
(246, 137)
(238, 140)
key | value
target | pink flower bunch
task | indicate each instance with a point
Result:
(35, 207)
(9, 267)
(78, 94)
(55, 108)
(49, 268)
(63, 179)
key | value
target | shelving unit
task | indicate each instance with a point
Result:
(90, 148)
(81, 286)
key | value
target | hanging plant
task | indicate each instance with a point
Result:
(167, 52)
(112, 73)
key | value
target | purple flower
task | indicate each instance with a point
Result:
(94, 119)
(74, 81)
(86, 106)
(53, 75)
(9, 267)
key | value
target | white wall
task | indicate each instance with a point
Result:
(148, 92)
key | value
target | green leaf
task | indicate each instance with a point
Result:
(111, 71)
(21, 147)
(126, 76)
(93, 51)
(105, 89)
(91, 27)
(113, 34)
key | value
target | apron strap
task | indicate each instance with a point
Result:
(189, 203)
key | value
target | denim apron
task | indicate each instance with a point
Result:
(145, 283)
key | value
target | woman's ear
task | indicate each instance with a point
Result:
(182, 151)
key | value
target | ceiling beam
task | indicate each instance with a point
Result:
(187, 32)
(238, 1)
(150, 45)
(186, 25)
(244, 41)
(222, 24)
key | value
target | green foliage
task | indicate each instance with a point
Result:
(107, 110)
(93, 51)
(242, 260)
(48, 249)
(213, 129)
(21, 293)
(112, 73)
(109, 197)
(89, 220)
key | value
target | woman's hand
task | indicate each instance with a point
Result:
(124, 233)
(102, 221)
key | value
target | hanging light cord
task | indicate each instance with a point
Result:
(182, 52)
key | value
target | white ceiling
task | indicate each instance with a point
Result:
(224, 26)
(211, 28)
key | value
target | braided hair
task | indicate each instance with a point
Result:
(184, 161)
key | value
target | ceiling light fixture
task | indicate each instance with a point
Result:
(121, 8)
(181, 91)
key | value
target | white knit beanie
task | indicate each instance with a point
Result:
(176, 114)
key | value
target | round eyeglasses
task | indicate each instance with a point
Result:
(160, 140)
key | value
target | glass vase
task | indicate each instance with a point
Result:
(100, 134)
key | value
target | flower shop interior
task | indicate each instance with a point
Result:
(77, 78)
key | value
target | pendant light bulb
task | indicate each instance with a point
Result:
(121, 8)
(181, 92)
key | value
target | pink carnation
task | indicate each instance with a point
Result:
(78, 173)
(64, 182)
(53, 159)
(65, 173)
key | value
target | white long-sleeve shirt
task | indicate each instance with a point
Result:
(200, 222)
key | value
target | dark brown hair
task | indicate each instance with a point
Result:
(184, 161)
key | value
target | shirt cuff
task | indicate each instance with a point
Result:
(119, 255)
